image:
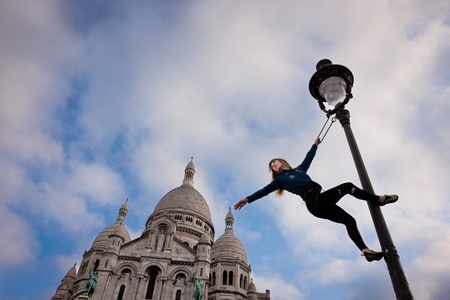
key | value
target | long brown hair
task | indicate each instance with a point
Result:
(274, 173)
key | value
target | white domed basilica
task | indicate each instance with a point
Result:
(176, 256)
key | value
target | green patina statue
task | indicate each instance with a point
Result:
(198, 293)
(90, 284)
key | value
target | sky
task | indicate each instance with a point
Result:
(101, 101)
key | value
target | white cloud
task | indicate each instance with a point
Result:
(430, 265)
(19, 238)
(279, 288)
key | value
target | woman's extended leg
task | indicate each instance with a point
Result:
(338, 215)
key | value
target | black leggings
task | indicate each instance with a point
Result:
(323, 205)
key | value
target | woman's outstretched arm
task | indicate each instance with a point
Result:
(309, 156)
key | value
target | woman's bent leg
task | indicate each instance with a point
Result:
(332, 196)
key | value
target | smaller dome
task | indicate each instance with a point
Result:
(118, 230)
(72, 272)
(251, 287)
(115, 230)
(228, 246)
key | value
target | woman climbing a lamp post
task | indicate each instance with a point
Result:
(320, 204)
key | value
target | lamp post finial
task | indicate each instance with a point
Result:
(323, 63)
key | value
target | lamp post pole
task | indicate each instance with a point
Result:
(332, 84)
(398, 278)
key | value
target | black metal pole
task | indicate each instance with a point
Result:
(398, 278)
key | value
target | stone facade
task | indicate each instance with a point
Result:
(175, 250)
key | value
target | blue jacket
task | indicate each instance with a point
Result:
(295, 181)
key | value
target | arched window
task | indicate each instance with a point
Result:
(180, 279)
(178, 295)
(241, 280)
(161, 242)
(245, 282)
(125, 272)
(224, 277)
(121, 292)
(152, 276)
(213, 279)
(97, 263)
(230, 278)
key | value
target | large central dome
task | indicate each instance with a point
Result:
(184, 198)
(185, 204)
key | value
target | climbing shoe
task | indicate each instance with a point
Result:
(389, 199)
(370, 256)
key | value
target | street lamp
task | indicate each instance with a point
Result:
(333, 84)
